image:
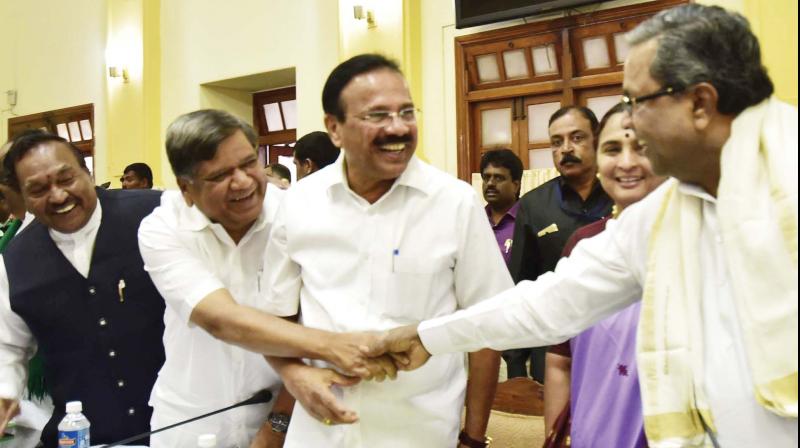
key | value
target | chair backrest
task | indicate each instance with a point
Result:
(517, 418)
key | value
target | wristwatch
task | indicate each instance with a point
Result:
(279, 421)
(465, 439)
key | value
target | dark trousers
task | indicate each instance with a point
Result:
(516, 359)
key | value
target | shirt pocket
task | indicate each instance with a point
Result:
(410, 285)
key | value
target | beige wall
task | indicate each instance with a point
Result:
(386, 37)
(53, 56)
(125, 100)
(206, 40)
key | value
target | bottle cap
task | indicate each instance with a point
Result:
(73, 407)
(207, 441)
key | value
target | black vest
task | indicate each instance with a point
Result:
(99, 346)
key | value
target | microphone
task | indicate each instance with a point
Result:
(262, 396)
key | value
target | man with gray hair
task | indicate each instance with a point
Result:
(203, 248)
(712, 252)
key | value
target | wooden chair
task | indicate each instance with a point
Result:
(517, 418)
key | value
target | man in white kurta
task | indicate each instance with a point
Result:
(423, 250)
(203, 248)
(348, 259)
(605, 274)
(713, 252)
(188, 257)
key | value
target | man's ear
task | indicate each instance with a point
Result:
(518, 184)
(333, 126)
(704, 105)
(184, 185)
(310, 166)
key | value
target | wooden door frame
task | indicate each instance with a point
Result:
(566, 85)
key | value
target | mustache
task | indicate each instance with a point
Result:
(570, 158)
(389, 139)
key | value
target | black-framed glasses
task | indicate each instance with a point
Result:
(633, 101)
(407, 115)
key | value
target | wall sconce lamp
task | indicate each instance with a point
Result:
(359, 14)
(117, 72)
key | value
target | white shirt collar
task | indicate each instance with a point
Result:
(413, 176)
(192, 219)
(87, 232)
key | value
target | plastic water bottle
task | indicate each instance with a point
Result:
(73, 431)
(207, 441)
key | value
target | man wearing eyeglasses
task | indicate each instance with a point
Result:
(203, 247)
(375, 240)
(712, 252)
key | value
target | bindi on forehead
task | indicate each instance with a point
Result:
(40, 176)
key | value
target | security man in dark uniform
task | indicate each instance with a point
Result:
(551, 212)
(76, 287)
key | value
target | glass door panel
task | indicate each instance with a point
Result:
(496, 127)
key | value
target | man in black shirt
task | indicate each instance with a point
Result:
(549, 214)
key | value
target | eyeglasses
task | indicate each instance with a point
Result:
(631, 102)
(407, 115)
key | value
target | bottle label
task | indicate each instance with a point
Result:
(74, 439)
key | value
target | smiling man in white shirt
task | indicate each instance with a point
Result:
(203, 248)
(713, 251)
(379, 239)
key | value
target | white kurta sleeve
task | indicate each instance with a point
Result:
(480, 271)
(17, 345)
(284, 275)
(594, 282)
(180, 277)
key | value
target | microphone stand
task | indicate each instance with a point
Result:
(260, 397)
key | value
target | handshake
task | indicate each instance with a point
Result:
(378, 355)
(356, 357)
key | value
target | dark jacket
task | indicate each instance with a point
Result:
(101, 343)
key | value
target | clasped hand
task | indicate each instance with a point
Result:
(378, 355)
(358, 356)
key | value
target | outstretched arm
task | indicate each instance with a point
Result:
(197, 295)
(261, 332)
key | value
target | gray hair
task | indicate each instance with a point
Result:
(698, 43)
(194, 137)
